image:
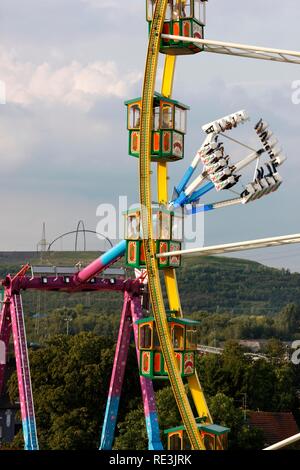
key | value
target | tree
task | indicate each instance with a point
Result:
(288, 320)
(285, 393)
(70, 379)
(132, 431)
(260, 385)
(235, 366)
(225, 413)
(210, 369)
(250, 438)
(275, 350)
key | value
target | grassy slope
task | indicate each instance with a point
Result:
(208, 283)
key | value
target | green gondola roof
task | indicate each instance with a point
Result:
(160, 97)
(180, 321)
(210, 428)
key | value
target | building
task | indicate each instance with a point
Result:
(275, 426)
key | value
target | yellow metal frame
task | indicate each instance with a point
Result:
(170, 274)
(155, 289)
(157, 300)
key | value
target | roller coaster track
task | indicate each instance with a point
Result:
(150, 255)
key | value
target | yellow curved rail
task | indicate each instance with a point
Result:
(170, 274)
(145, 199)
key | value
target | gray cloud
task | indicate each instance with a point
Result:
(61, 159)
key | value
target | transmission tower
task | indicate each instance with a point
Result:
(42, 244)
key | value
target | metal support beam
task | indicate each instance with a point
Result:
(117, 377)
(284, 443)
(241, 50)
(234, 247)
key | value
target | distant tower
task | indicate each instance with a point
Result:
(43, 244)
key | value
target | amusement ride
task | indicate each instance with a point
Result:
(166, 342)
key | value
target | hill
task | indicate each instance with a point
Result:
(238, 286)
(212, 284)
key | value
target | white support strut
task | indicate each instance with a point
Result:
(234, 247)
(237, 167)
(240, 165)
(241, 50)
(284, 443)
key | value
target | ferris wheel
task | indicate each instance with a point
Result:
(166, 342)
(177, 28)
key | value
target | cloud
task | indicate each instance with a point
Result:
(74, 84)
(102, 3)
(63, 138)
(17, 141)
(61, 213)
(109, 7)
(130, 7)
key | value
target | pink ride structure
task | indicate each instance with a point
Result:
(87, 280)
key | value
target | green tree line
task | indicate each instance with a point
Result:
(70, 377)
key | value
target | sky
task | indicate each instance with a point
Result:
(68, 67)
